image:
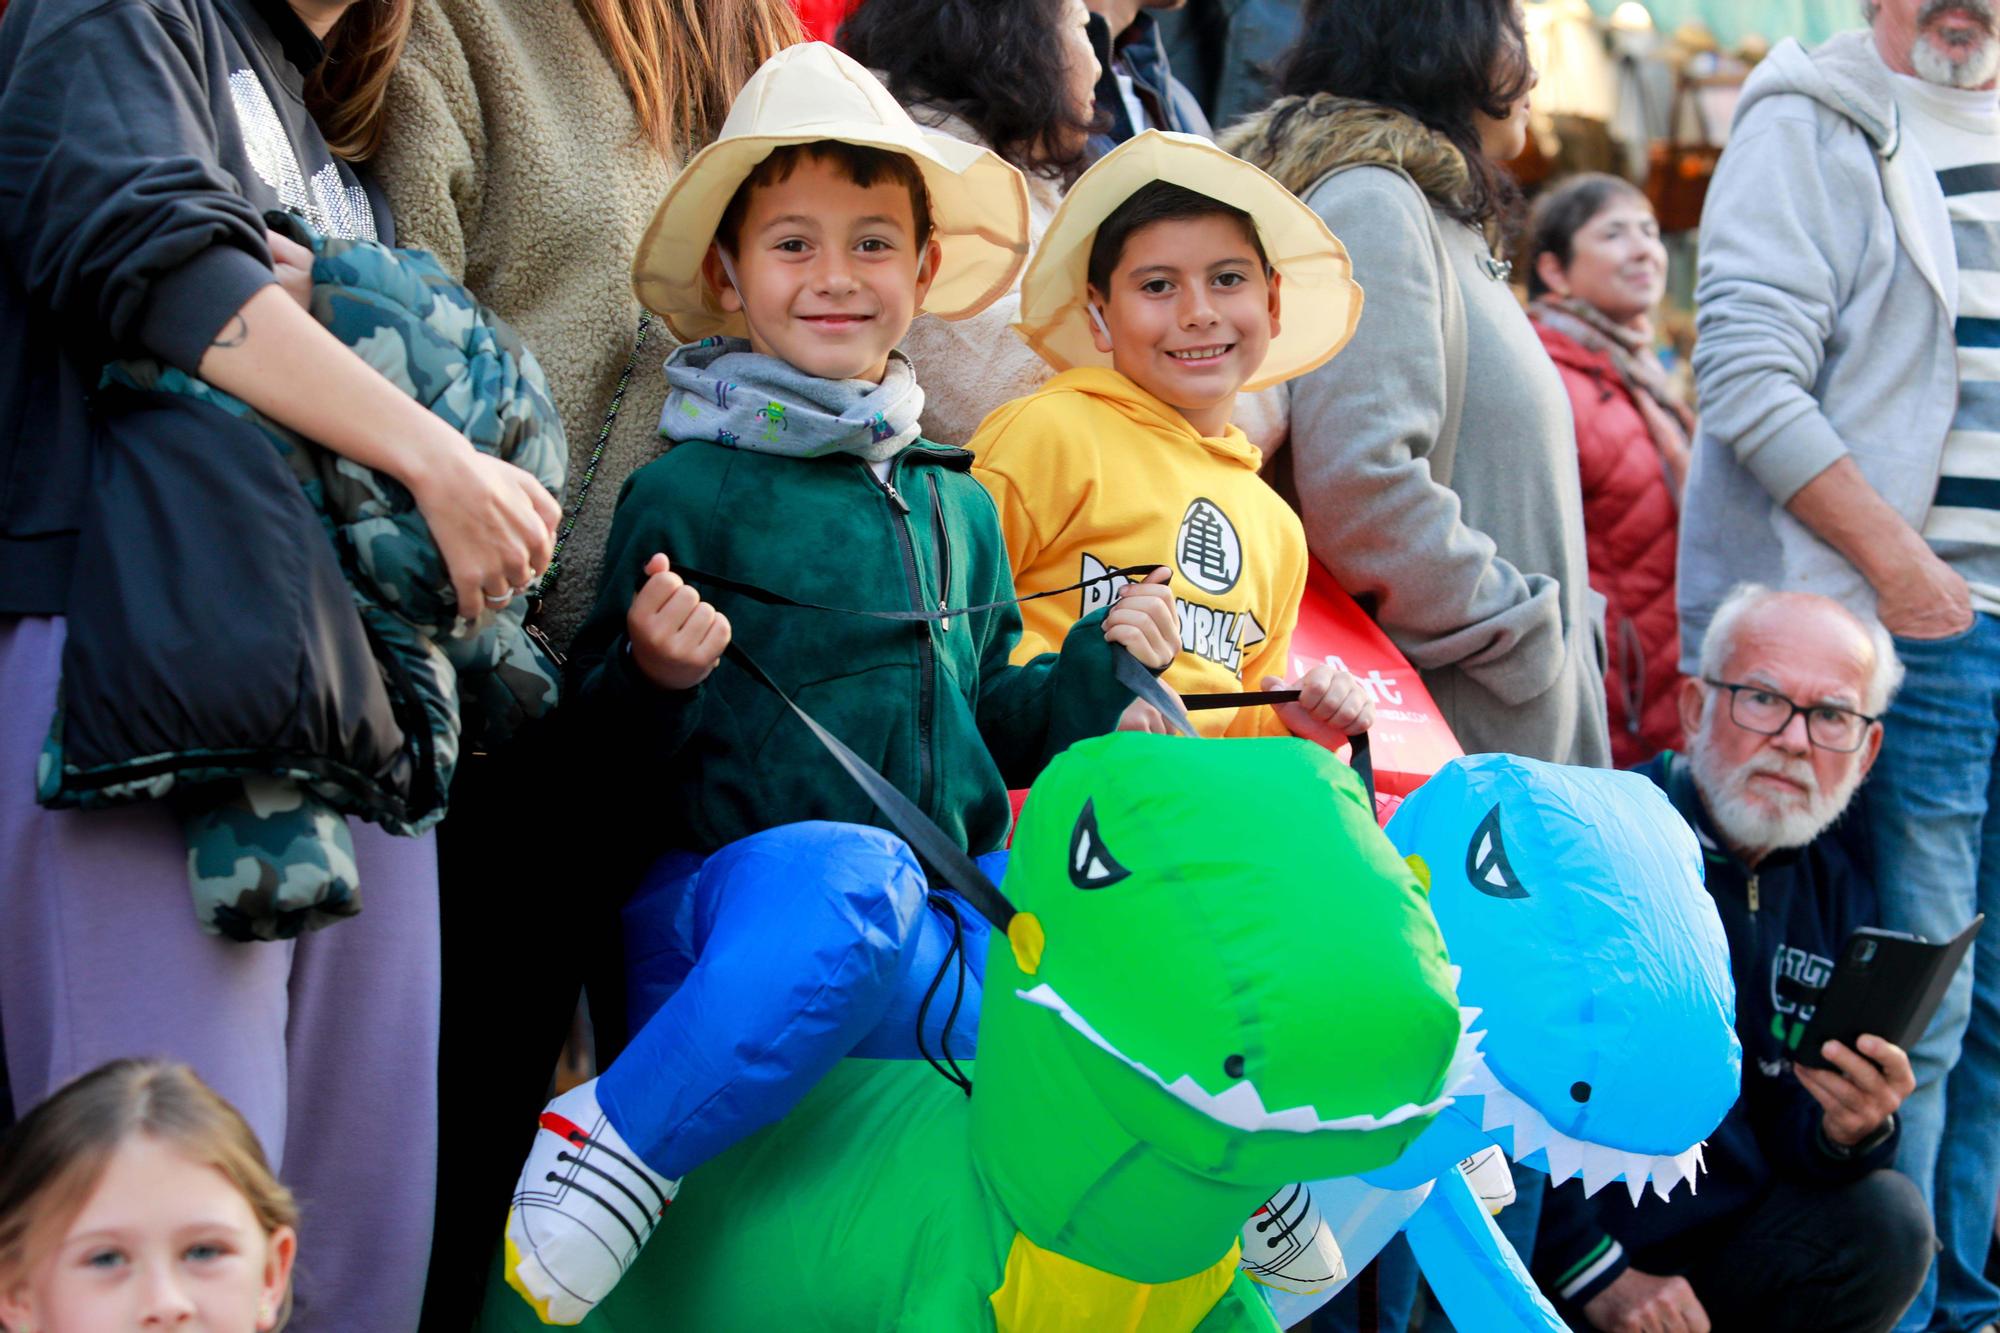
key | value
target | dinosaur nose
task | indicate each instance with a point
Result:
(1233, 1066)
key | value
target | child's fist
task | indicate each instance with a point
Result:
(1332, 705)
(1142, 716)
(676, 637)
(1143, 620)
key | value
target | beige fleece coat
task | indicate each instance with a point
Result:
(1473, 557)
(968, 367)
(514, 154)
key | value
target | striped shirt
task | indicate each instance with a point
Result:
(1959, 131)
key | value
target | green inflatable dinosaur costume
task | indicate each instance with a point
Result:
(1221, 979)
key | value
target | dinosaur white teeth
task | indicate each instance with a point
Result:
(1600, 1169)
(1599, 1164)
(1241, 1105)
(1565, 1156)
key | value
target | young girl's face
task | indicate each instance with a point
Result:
(164, 1243)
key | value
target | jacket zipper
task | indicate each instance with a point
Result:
(926, 651)
(943, 535)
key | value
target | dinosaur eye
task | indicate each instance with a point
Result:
(1233, 1066)
(1486, 863)
(1091, 864)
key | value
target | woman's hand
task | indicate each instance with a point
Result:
(293, 264)
(494, 524)
(1143, 620)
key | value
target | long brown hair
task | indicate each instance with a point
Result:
(345, 93)
(51, 1161)
(683, 61)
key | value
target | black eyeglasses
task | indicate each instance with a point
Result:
(1763, 710)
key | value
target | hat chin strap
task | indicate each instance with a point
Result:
(729, 271)
(1097, 318)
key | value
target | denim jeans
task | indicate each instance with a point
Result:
(1931, 798)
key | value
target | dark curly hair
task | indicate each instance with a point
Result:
(1437, 61)
(996, 63)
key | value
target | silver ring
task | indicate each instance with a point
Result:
(497, 602)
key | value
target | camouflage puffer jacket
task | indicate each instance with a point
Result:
(269, 852)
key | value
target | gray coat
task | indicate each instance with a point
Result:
(1824, 228)
(1468, 542)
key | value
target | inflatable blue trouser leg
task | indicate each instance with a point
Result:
(756, 971)
(895, 1037)
(1472, 1270)
(661, 945)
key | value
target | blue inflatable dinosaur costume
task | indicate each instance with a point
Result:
(1571, 901)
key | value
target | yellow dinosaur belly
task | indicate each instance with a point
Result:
(1044, 1292)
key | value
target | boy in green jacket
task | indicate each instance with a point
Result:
(795, 930)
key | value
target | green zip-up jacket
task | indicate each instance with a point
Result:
(934, 706)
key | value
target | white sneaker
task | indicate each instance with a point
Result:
(1491, 1180)
(584, 1206)
(1289, 1246)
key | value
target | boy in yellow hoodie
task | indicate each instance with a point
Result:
(1158, 303)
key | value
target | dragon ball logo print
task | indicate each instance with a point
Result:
(1208, 551)
(1207, 631)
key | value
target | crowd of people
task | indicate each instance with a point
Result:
(963, 392)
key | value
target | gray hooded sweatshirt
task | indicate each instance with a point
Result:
(1827, 293)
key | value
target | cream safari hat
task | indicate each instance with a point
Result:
(809, 92)
(1322, 302)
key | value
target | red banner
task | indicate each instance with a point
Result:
(822, 17)
(1410, 740)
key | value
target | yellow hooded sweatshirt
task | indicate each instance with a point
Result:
(1091, 472)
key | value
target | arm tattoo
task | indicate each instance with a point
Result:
(233, 333)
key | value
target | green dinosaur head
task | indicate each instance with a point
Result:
(1221, 966)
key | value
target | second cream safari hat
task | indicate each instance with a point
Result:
(809, 92)
(1321, 302)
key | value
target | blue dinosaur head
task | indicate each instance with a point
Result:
(1572, 901)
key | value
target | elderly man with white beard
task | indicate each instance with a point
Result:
(1799, 1222)
(1848, 367)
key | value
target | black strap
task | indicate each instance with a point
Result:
(926, 839)
(1134, 676)
(1197, 703)
(1363, 763)
(932, 846)
(1358, 757)
(770, 598)
(1129, 671)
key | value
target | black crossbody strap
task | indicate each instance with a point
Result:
(934, 848)
(926, 839)
(770, 598)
